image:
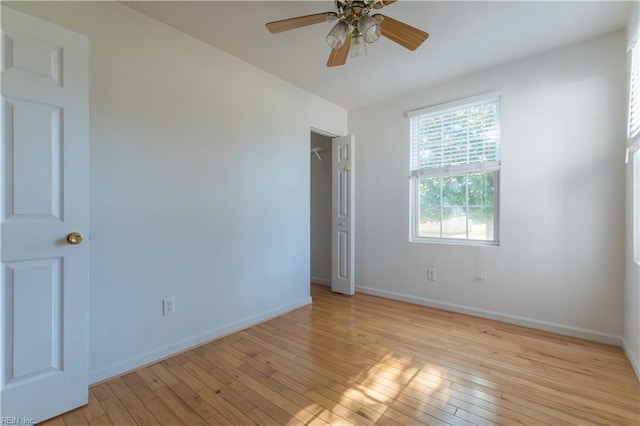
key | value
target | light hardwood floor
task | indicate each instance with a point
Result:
(365, 360)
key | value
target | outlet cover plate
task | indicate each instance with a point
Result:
(168, 306)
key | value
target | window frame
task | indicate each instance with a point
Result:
(635, 205)
(495, 169)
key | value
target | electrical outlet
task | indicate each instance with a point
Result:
(431, 274)
(168, 306)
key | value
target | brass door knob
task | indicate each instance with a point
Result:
(74, 238)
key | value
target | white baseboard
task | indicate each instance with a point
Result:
(321, 281)
(566, 330)
(156, 355)
(632, 359)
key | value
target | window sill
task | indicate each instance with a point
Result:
(455, 242)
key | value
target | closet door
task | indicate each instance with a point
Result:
(342, 218)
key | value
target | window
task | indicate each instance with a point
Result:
(634, 93)
(633, 141)
(455, 171)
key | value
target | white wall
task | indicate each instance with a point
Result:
(199, 186)
(560, 264)
(632, 283)
(321, 211)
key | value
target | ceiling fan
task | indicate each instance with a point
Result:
(355, 27)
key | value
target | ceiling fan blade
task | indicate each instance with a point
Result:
(293, 23)
(403, 34)
(388, 2)
(339, 57)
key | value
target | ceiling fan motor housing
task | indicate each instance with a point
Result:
(352, 11)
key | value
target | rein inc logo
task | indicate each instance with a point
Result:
(16, 421)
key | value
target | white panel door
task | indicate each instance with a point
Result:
(44, 197)
(342, 217)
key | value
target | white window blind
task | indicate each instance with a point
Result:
(634, 97)
(456, 138)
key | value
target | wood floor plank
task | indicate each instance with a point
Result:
(272, 390)
(93, 409)
(260, 417)
(314, 408)
(195, 357)
(103, 392)
(150, 378)
(75, 418)
(56, 421)
(365, 360)
(225, 385)
(180, 409)
(193, 400)
(186, 377)
(174, 360)
(138, 410)
(117, 413)
(163, 413)
(219, 419)
(224, 408)
(269, 407)
(164, 374)
(139, 387)
(119, 387)
(385, 420)
(338, 408)
(101, 421)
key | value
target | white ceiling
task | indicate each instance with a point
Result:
(465, 37)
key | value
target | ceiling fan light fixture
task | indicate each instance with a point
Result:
(358, 47)
(337, 35)
(331, 17)
(370, 29)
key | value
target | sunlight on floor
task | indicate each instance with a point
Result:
(392, 381)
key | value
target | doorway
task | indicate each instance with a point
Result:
(320, 166)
